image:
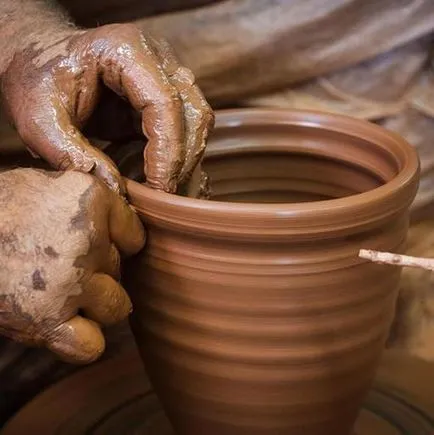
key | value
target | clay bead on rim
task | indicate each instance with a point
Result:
(326, 217)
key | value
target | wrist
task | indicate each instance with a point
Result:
(30, 24)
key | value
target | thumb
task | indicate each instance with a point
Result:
(77, 341)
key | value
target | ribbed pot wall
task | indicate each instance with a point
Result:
(260, 319)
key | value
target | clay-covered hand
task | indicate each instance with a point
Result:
(62, 236)
(52, 88)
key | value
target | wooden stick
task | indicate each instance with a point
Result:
(397, 259)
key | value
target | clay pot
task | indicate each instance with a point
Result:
(253, 313)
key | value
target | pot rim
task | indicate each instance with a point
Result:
(339, 211)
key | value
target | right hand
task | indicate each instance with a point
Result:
(61, 236)
(54, 92)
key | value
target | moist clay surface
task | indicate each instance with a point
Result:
(259, 318)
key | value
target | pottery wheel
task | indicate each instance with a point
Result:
(114, 397)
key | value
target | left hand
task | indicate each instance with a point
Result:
(52, 88)
(62, 238)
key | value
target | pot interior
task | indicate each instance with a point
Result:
(285, 177)
(258, 175)
(274, 157)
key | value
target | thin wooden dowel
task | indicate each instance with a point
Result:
(397, 259)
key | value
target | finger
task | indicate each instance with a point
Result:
(125, 228)
(107, 259)
(198, 115)
(198, 186)
(104, 300)
(77, 341)
(204, 187)
(54, 137)
(112, 265)
(138, 76)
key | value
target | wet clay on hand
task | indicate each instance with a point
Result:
(51, 90)
(62, 235)
(128, 157)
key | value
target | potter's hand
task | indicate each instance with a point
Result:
(61, 234)
(51, 89)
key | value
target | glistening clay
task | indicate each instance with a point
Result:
(253, 313)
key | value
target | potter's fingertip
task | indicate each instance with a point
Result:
(122, 187)
(156, 180)
(108, 173)
(167, 187)
(76, 358)
(116, 185)
(78, 341)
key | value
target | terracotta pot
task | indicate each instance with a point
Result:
(260, 319)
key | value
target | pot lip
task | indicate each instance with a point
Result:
(140, 194)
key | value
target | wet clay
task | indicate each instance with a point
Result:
(253, 313)
(52, 88)
(57, 292)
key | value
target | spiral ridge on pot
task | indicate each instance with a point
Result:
(249, 330)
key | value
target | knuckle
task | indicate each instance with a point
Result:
(188, 73)
(170, 100)
(184, 75)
